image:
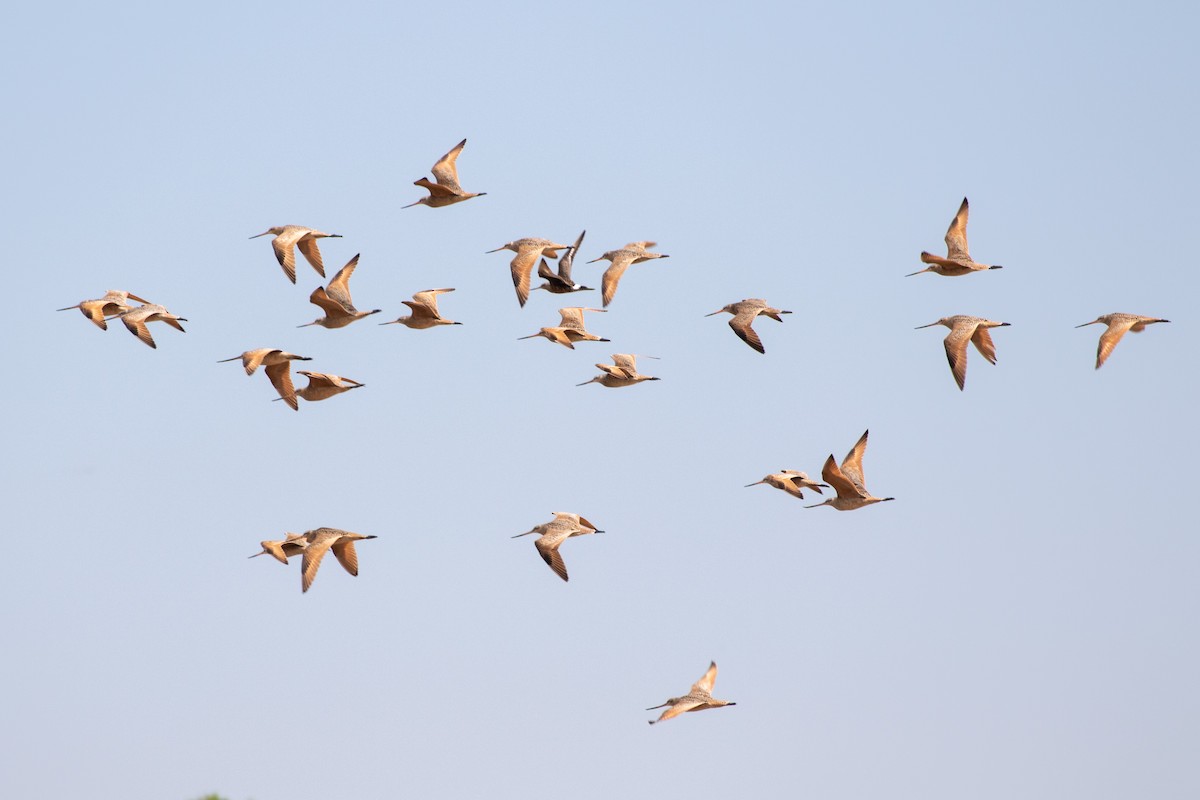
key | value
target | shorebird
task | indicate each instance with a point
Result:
(744, 313)
(113, 303)
(322, 386)
(527, 251)
(622, 372)
(848, 481)
(569, 330)
(446, 192)
(278, 369)
(1117, 324)
(288, 237)
(790, 481)
(323, 539)
(561, 282)
(619, 261)
(136, 318)
(335, 300)
(424, 311)
(964, 329)
(554, 533)
(282, 549)
(957, 261)
(698, 698)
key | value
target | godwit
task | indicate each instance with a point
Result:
(322, 386)
(281, 549)
(790, 481)
(554, 533)
(848, 481)
(527, 251)
(288, 237)
(446, 192)
(335, 300)
(322, 539)
(622, 372)
(135, 320)
(744, 313)
(957, 261)
(561, 282)
(278, 369)
(570, 329)
(1117, 324)
(113, 303)
(698, 698)
(424, 311)
(964, 328)
(619, 261)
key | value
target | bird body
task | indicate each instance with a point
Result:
(560, 282)
(790, 481)
(963, 329)
(278, 369)
(698, 698)
(424, 311)
(527, 250)
(570, 329)
(288, 238)
(552, 534)
(848, 480)
(446, 191)
(335, 301)
(622, 372)
(322, 386)
(114, 303)
(136, 320)
(744, 312)
(321, 540)
(1118, 325)
(619, 261)
(283, 549)
(958, 260)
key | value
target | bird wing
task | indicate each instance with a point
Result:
(312, 559)
(626, 362)
(435, 190)
(684, 704)
(1109, 339)
(572, 317)
(956, 351)
(347, 556)
(252, 359)
(428, 298)
(741, 324)
(852, 464)
(284, 246)
(844, 487)
(956, 236)
(550, 554)
(568, 258)
(331, 307)
(339, 287)
(984, 344)
(280, 376)
(522, 266)
(445, 171)
(612, 276)
(585, 523)
(705, 684)
(137, 326)
(308, 246)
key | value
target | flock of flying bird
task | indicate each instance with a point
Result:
(334, 299)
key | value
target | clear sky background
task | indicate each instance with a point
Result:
(1020, 622)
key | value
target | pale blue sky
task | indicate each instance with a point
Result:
(1020, 622)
